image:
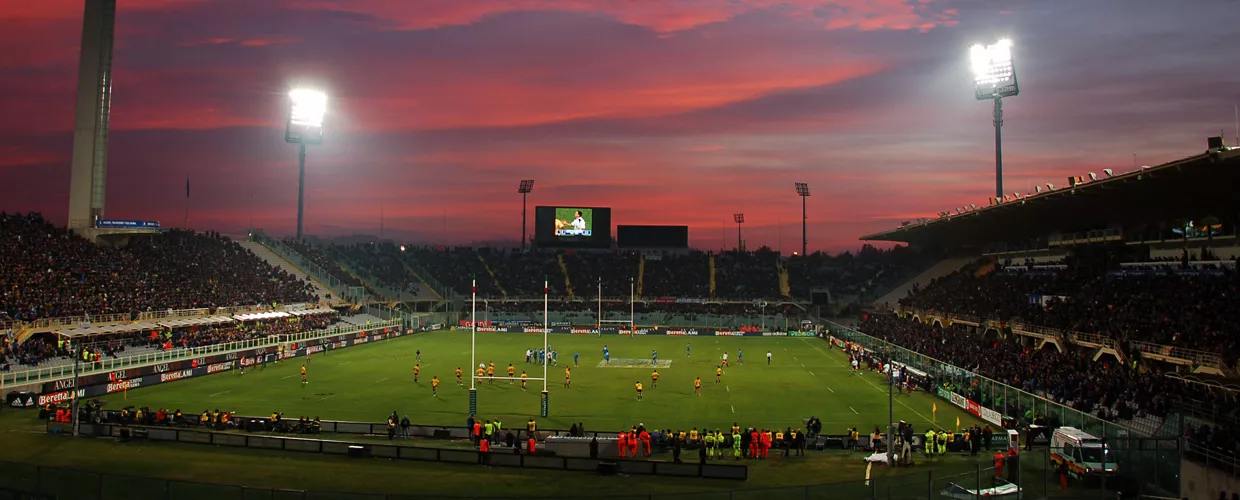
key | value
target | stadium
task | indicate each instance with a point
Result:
(1076, 341)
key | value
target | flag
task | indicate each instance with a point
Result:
(474, 286)
(545, 287)
(957, 421)
(934, 412)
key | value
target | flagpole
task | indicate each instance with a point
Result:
(600, 306)
(632, 308)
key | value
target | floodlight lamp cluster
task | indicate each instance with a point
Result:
(994, 73)
(526, 186)
(309, 107)
(739, 218)
(802, 189)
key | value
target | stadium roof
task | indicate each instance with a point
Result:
(1192, 187)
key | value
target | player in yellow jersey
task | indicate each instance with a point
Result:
(511, 373)
(435, 385)
(491, 372)
(458, 376)
(697, 386)
(639, 391)
(654, 379)
(523, 377)
(718, 373)
(303, 375)
(417, 370)
(568, 377)
(481, 372)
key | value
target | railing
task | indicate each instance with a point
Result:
(990, 393)
(39, 375)
(1197, 357)
(333, 284)
(102, 319)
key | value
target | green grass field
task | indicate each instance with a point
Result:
(366, 383)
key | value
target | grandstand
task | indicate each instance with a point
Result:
(1114, 298)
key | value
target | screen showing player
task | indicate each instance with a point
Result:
(574, 222)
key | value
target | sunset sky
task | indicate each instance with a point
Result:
(669, 111)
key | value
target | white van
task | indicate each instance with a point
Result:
(1084, 453)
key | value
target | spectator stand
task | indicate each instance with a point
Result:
(312, 269)
(229, 343)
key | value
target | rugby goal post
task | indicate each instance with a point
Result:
(624, 325)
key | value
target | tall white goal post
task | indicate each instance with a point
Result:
(631, 322)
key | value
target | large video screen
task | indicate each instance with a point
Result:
(574, 222)
(572, 226)
(652, 236)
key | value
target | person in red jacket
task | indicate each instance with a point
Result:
(645, 439)
(484, 449)
(633, 443)
(530, 445)
(766, 443)
(754, 443)
(477, 431)
(623, 443)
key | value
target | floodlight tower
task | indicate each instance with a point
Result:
(304, 126)
(803, 192)
(525, 188)
(994, 77)
(740, 219)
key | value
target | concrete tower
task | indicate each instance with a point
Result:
(88, 178)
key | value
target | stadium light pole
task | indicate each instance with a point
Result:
(304, 126)
(524, 188)
(740, 219)
(803, 192)
(994, 77)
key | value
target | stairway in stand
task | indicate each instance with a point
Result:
(568, 285)
(712, 275)
(274, 259)
(785, 286)
(493, 278)
(641, 273)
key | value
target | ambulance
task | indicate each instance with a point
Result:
(1085, 454)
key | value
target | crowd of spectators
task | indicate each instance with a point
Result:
(49, 347)
(50, 272)
(677, 275)
(1196, 310)
(319, 257)
(747, 275)
(522, 274)
(867, 274)
(455, 268)
(382, 261)
(1108, 390)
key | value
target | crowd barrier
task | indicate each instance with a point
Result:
(503, 458)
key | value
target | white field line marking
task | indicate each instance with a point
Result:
(286, 376)
(868, 381)
(726, 388)
(324, 398)
(219, 393)
(733, 408)
(811, 373)
(854, 411)
(830, 389)
(381, 380)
